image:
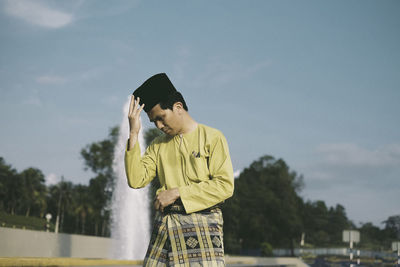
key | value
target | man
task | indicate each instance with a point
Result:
(194, 168)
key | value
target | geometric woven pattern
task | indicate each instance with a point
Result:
(186, 240)
(216, 241)
(191, 242)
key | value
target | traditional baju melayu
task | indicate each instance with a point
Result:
(189, 232)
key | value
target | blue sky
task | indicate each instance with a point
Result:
(313, 82)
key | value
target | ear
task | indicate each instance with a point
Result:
(178, 106)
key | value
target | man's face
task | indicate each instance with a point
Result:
(168, 121)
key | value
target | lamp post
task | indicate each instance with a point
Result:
(303, 235)
(352, 236)
(48, 218)
(60, 184)
(396, 247)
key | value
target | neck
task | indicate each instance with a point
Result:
(189, 125)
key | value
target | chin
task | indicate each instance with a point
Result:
(169, 132)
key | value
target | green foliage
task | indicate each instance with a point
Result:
(83, 207)
(10, 188)
(267, 212)
(98, 156)
(265, 206)
(266, 249)
(93, 201)
(79, 208)
(323, 226)
(60, 203)
(33, 191)
(372, 237)
(392, 224)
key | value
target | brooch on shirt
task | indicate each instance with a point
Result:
(196, 154)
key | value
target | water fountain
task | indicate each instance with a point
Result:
(130, 228)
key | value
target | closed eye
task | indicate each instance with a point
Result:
(157, 119)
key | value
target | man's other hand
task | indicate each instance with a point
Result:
(166, 198)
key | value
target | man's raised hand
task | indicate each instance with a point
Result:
(134, 120)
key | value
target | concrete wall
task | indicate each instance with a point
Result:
(28, 243)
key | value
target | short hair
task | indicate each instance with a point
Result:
(169, 101)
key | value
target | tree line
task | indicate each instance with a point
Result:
(76, 208)
(265, 212)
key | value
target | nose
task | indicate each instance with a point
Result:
(159, 124)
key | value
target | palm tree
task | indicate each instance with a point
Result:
(10, 188)
(66, 190)
(83, 206)
(34, 190)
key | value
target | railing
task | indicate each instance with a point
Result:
(332, 251)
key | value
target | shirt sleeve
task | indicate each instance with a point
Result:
(205, 194)
(140, 170)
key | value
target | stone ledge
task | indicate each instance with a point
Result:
(65, 262)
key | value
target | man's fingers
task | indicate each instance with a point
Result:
(157, 205)
(135, 107)
(141, 108)
(131, 104)
(136, 104)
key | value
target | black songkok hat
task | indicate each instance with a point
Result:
(154, 90)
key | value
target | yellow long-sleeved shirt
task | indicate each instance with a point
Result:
(197, 163)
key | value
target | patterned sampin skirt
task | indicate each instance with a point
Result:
(180, 239)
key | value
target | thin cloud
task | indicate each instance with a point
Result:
(84, 75)
(50, 79)
(37, 13)
(351, 163)
(218, 72)
(320, 175)
(348, 154)
(33, 101)
(381, 204)
(182, 63)
(353, 175)
(110, 100)
(92, 73)
(85, 9)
